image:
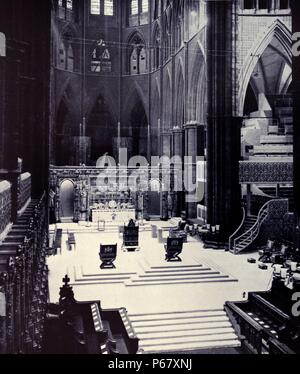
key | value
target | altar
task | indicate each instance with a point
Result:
(113, 215)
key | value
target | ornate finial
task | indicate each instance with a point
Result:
(66, 280)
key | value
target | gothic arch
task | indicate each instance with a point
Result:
(101, 127)
(135, 125)
(179, 113)
(279, 31)
(167, 99)
(137, 54)
(197, 88)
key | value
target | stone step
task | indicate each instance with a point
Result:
(170, 282)
(192, 346)
(174, 315)
(179, 321)
(182, 327)
(167, 278)
(187, 339)
(188, 333)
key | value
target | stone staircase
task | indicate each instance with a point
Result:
(276, 144)
(184, 331)
(178, 274)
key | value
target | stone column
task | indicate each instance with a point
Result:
(223, 130)
(194, 147)
(166, 141)
(177, 141)
(178, 201)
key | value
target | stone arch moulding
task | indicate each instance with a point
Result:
(180, 97)
(136, 90)
(197, 85)
(278, 30)
(109, 100)
(167, 100)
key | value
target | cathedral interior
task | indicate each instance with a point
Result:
(177, 229)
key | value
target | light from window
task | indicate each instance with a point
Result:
(70, 4)
(95, 7)
(60, 3)
(145, 6)
(134, 7)
(108, 7)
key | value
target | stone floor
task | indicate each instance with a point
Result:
(144, 283)
(173, 307)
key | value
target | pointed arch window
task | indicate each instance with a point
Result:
(65, 9)
(145, 6)
(134, 7)
(95, 7)
(70, 4)
(101, 58)
(61, 56)
(137, 12)
(108, 7)
(137, 56)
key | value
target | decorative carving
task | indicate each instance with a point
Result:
(261, 172)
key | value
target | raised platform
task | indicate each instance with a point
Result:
(146, 285)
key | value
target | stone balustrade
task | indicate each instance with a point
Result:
(5, 206)
(24, 190)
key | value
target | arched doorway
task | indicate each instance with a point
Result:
(67, 195)
(139, 129)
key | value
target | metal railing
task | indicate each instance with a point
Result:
(249, 236)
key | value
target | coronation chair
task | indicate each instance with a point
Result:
(173, 249)
(179, 232)
(108, 254)
(131, 237)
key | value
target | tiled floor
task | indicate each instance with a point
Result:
(144, 283)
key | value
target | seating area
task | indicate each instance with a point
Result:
(85, 328)
(267, 322)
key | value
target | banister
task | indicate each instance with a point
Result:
(254, 229)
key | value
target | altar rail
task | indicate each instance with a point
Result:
(5, 206)
(24, 190)
(24, 283)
